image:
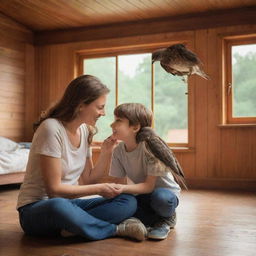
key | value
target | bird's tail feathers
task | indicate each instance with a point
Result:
(179, 179)
(198, 71)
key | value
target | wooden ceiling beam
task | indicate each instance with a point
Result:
(231, 17)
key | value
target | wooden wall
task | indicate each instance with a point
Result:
(221, 157)
(14, 40)
(33, 77)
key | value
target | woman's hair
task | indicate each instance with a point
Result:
(136, 113)
(83, 89)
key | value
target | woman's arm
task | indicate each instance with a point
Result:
(51, 172)
(92, 174)
(140, 188)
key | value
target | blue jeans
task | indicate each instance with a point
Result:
(93, 218)
(160, 203)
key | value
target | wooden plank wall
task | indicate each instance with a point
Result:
(222, 157)
(13, 40)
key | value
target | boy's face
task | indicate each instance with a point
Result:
(122, 130)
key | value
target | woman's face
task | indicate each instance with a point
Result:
(92, 112)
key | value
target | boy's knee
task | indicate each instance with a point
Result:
(163, 196)
(163, 202)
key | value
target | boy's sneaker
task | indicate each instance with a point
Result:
(65, 233)
(132, 228)
(162, 228)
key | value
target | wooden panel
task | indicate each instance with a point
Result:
(201, 106)
(12, 77)
(213, 107)
(12, 178)
(189, 22)
(59, 14)
(14, 30)
(31, 95)
(229, 167)
(187, 161)
(245, 138)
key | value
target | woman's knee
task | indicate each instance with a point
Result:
(57, 204)
(129, 202)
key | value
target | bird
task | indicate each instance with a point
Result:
(178, 60)
(157, 150)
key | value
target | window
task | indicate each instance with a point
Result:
(240, 80)
(133, 78)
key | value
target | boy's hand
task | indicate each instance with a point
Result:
(109, 144)
(108, 190)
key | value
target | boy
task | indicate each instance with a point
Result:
(150, 178)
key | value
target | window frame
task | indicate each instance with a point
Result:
(83, 54)
(227, 81)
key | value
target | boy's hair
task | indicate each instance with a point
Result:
(136, 113)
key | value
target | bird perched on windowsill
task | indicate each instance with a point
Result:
(178, 60)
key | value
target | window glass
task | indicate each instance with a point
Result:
(135, 85)
(244, 80)
(171, 111)
(134, 79)
(104, 69)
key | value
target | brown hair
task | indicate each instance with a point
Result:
(136, 113)
(83, 89)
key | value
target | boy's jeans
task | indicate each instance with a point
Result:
(160, 203)
(93, 218)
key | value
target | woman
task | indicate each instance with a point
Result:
(60, 155)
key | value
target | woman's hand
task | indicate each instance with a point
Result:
(108, 190)
(119, 187)
(108, 144)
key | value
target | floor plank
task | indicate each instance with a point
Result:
(210, 223)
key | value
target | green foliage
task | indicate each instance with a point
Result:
(244, 84)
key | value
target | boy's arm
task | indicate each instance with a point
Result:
(118, 180)
(140, 188)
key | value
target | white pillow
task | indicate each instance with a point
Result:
(7, 144)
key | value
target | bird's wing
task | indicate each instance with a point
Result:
(180, 52)
(162, 152)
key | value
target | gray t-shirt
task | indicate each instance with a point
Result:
(136, 166)
(50, 139)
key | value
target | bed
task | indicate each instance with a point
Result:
(13, 161)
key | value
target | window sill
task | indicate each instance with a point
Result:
(96, 149)
(183, 149)
(236, 125)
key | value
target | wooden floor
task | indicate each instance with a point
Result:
(210, 223)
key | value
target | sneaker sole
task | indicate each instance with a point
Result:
(155, 237)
